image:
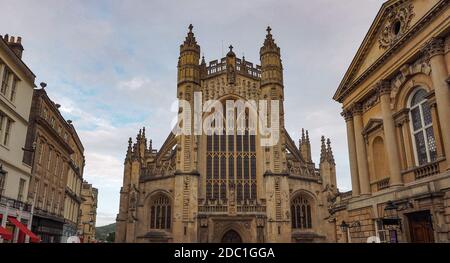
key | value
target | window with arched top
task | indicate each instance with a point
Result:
(160, 212)
(379, 156)
(422, 127)
(301, 213)
(231, 160)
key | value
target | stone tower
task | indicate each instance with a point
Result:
(228, 185)
(187, 175)
(275, 169)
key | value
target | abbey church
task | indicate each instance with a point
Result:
(227, 187)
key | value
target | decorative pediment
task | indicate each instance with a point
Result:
(396, 23)
(371, 126)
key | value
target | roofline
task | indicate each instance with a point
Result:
(19, 61)
(361, 48)
(425, 20)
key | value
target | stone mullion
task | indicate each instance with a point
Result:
(436, 127)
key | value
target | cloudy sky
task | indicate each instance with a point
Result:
(112, 66)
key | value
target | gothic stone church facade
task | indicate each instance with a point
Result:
(227, 188)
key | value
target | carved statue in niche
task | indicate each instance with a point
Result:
(231, 75)
(133, 200)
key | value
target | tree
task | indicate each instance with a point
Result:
(111, 237)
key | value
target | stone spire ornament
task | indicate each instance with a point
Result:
(330, 152)
(190, 43)
(269, 43)
(323, 150)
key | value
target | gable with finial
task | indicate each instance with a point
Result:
(397, 22)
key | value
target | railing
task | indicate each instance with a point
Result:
(6, 201)
(217, 66)
(243, 207)
(345, 195)
(251, 209)
(383, 184)
(213, 209)
(426, 170)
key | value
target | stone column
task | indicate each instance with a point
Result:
(407, 141)
(384, 88)
(352, 152)
(436, 125)
(361, 153)
(434, 49)
(2, 70)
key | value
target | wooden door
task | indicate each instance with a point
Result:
(420, 227)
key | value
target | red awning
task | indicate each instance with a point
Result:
(24, 229)
(6, 235)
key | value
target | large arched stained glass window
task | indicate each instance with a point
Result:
(160, 212)
(422, 128)
(231, 164)
(301, 213)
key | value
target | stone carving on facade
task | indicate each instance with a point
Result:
(186, 193)
(435, 46)
(396, 24)
(133, 200)
(370, 101)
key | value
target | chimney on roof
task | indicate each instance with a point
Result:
(15, 44)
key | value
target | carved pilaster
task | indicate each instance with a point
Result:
(383, 87)
(357, 109)
(347, 114)
(434, 46)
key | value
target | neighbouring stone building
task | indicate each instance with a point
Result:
(16, 92)
(396, 102)
(88, 213)
(72, 200)
(49, 133)
(229, 187)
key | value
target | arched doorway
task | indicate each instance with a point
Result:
(231, 236)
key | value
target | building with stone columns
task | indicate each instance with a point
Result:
(227, 186)
(396, 104)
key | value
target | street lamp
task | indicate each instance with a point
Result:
(345, 228)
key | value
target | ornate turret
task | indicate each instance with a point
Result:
(323, 150)
(330, 156)
(271, 67)
(188, 67)
(327, 164)
(129, 150)
(305, 146)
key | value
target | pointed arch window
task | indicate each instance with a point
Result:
(301, 213)
(231, 160)
(422, 128)
(160, 213)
